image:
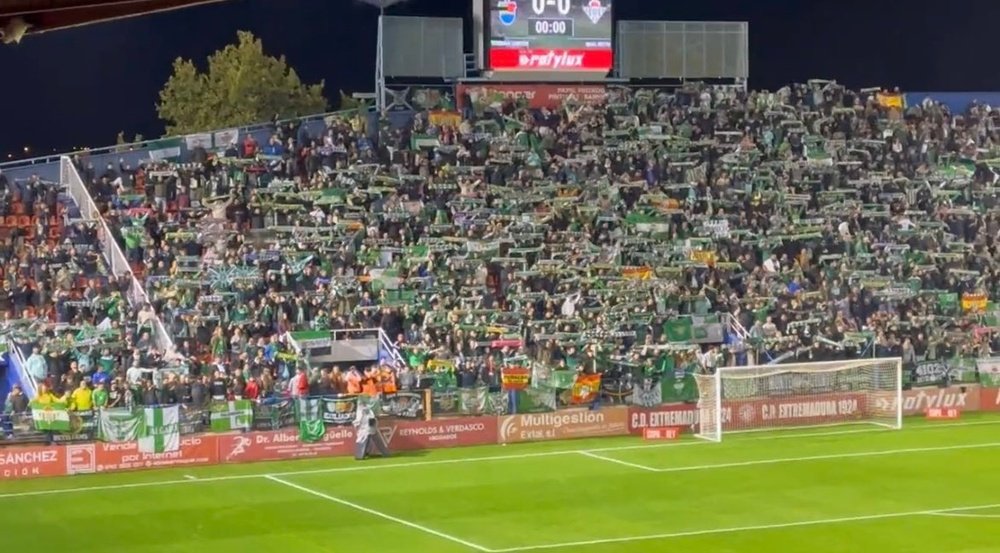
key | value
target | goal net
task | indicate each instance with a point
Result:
(766, 397)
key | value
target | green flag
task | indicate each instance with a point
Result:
(472, 401)
(118, 425)
(231, 415)
(562, 379)
(160, 430)
(53, 417)
(310, 416)
(536, 400)
(679, 330)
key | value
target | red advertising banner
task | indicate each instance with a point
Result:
(545, 59)
(201, 449)
(564, 425)
(989, 399)
(280, 445)
(677, 415)
(943, 414)
(402, 435)
(32, 462)
(669, 433)
(794, 410)
(537, 95)
(787, 411)
(917, 401)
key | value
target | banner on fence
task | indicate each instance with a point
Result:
(52, 417)
(339, 411)
(933, 373)
(118, 425)
(672, 387)
(280, 445)
(445, 401)
(227, 416)
(273, 415)
(410, 435)
(989, 371)
(308, 411)
(563, 425)
(586, 389)
(535, 400)
(403, 405)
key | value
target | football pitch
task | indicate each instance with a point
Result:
(933, 486)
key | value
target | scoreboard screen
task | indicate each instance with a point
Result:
(550, 35)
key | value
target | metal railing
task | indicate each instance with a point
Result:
(117, 262)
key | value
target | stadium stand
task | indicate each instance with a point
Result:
(657, 235)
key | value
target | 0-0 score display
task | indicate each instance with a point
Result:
(562, 6)
(560, 35)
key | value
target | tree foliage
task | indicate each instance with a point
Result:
(242, 85)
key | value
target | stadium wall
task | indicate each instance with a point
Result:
(284, 444)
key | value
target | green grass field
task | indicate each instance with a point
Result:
(932, 487)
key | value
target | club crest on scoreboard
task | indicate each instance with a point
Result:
(508, 11)
(594, 10)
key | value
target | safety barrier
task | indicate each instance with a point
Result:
(404, 435)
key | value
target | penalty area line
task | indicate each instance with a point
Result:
(759, 527)
(618, 461)
(379, 514)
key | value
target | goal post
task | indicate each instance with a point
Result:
(770, 397)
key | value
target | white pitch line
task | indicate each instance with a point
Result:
(618, 461)
(462, 460)
(961, 515)
(736, 529)
(831, 456)
(379, 514)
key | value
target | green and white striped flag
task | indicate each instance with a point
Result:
(231, 415)
(309, 413)
(160, 430)
(118, 425)
(52, 417)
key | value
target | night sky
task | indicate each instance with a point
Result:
(79, 87)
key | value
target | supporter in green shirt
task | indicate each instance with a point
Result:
(100, 397)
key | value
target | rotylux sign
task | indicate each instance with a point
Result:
(562, 425)
(919, 400)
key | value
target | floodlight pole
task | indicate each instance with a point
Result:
(379, 69)
(379, 51)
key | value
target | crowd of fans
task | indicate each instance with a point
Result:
(811, 223)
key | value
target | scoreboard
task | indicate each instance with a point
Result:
(550, 35)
